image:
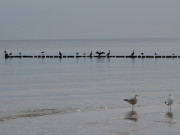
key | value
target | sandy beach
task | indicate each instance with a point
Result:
(144, 120)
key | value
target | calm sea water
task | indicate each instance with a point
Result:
(45, 86)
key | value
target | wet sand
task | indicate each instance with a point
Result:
(144, 120)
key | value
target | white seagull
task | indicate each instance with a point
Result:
(169, 102)
(132, 101)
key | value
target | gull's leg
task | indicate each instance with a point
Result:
(170, 108)
(132, 107)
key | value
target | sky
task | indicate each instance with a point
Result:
(79, 19)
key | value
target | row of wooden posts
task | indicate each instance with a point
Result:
(83, 56)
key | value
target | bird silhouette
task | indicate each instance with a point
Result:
(90, 55)
(132, 54)
(108, 54)
(100, 53)
(60, 54)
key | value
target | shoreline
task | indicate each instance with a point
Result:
(147, 120)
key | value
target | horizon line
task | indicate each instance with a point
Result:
(90, 38)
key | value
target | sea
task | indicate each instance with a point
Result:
(43, 87)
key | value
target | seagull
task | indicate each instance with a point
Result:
(142, 53)
(132, 101)
(10, 54)
(42, 53)
(155, 54)
(132, 54)
(20, 53)
(5, 52)
(169, 102)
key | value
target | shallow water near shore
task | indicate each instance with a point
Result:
(85, 96)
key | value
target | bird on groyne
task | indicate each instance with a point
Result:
(155, 54)
(10, 54)
(60, 54)
(5, 52)
(90, 55)
(169, 102)
(100, 53)
(42, 53)
(132, 101)
(108, 54)
(132, 54)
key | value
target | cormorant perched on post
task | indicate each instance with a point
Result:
(60, 54)
(90, 55)
(132, 54)
(108, 54)
(6, 54)
(100, 53)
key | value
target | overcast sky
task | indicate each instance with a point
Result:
(71, 19)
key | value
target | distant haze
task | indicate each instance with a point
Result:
(75, 19)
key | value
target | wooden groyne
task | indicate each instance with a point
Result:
(79, 56)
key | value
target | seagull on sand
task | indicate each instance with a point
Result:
(169, 102)
(132, 101)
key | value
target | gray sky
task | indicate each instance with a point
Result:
(69, 19)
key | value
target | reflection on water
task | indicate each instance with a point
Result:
(169, 115)
(132, 115)
(168, 119)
